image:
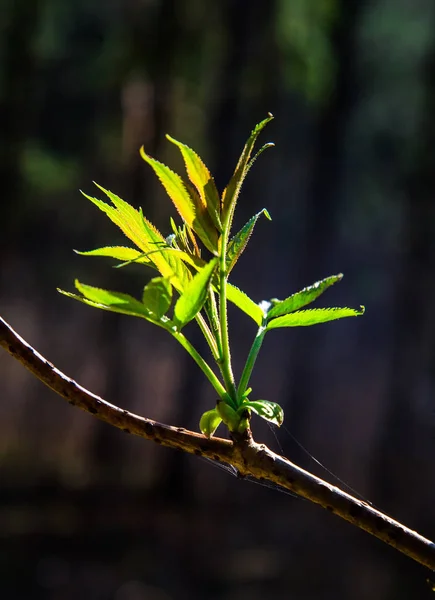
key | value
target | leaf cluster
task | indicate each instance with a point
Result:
(194, 263)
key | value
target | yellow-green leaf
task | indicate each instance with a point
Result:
(113, 302)
(313, 316)
(209, 422)
(228, 415)
(194, 296)
(302, 298)
(203, 224)
(187, 204)
(143, 233)
(118, 252)
(129, 220)
(239, 241)
(244, 302)
(231, 192)
(201, 178)
(157, 296)
(174, 187)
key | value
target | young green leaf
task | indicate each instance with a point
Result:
(203, 225)
(201, 178)
(157, 296)
(231, 192)
(143, 233)
(194, 296)
(271, 411)
(188, 204)
(302, 298)
(209, 422)
(118, 252)
(228, 415)
(244, 302)
(313, 316)
(189, 259)
(129, 220)
(257, 154)
(174, 187)
(113, 302)
(238, 242)
(108, 297)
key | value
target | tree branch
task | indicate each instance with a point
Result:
(248, 457)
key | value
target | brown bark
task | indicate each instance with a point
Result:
(249, 458)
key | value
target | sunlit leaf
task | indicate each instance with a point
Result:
(302, 298)
(113, 302)
(313, 316)
(189, 259)
(173, 226)
(271, 411)
(129, 220)
(189, 235)
(194, 295)
(187, 203)
(209, 422)
(118, 252)
(254, 158)
(228, 415)
(231, 192)
(244, 302)
(174, 187)
(201, 178)
(143, 233)
(157, 296)
(239, 241)
(203, 225)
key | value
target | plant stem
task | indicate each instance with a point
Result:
(250, 362)
(208, 336)
(202, 364)
(226, 369)
(213, 317)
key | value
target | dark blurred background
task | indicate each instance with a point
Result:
(88, 512)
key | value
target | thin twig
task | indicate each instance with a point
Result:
(248, 457)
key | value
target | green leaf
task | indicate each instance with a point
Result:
(174, 187)
(143, 233)
(157, 296)
(244, 302)
(188, 204)
(209, 422)
(109, 298)
(113, 302)
(129, 220)
(228, 415)
(271, 411)
(194, 296)
(231, 192)
(313, 316)
(189, 259)
(201, 178)
(302, 298)
(239, 241)
(254, 158)
(118, 252)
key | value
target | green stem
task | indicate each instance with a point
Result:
(208, 336)
(213, 317)
(203, 365)
(226, 369)
(250, 362)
